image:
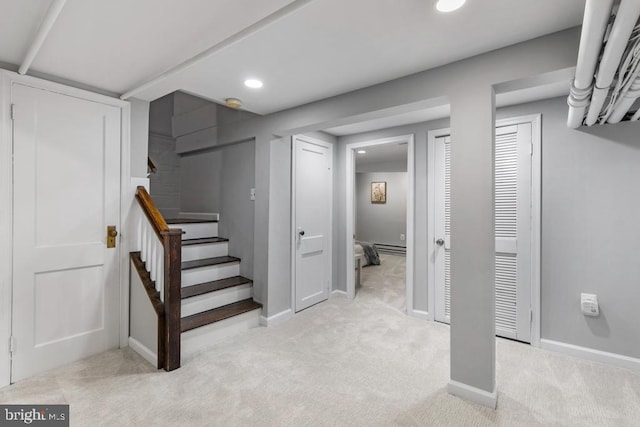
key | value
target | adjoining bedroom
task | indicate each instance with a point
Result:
(380, 223)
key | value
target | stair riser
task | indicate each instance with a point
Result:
(198, 339)
(198, 230)
(210, 273)
(209, 250)
(195, 305)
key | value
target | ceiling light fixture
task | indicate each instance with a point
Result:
(253, 83)
(449, 5)
(233, 103)
(361, 152)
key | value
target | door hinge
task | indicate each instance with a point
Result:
(530, 315)
(13, 111)
(12, 344)
(531, 149)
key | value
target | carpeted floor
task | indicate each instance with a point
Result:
(339, 363)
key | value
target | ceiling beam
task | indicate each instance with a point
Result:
(229, 41)
(47, 23)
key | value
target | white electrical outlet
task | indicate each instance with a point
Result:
(402, 236)
(253, 194)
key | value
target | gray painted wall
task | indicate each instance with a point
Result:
(165, 183)
(381, 223)
(590, 229)
(200, 182)
(236, 207)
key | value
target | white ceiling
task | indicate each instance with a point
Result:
(382, 154)
(323, 49)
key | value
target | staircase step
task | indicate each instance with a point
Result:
(210, 247)
(207, 262)
(204, 241)
(218, 314)
(195, 228)
(174, 221)
(216, 285)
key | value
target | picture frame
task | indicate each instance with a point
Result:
(379, 192)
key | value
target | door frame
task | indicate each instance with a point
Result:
(350, 215)
(7, 79)
(294, 232)
(536, 194)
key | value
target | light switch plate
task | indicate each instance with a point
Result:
(253, 194)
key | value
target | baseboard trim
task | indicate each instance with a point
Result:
(614, 359)
(338, 292)
(419, 314)
(473, 394)
(143, 351)
(276, 319)
(200, 215)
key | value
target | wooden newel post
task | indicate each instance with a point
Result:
(172, 299)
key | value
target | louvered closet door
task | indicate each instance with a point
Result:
(442, 255)
(513, 235)
(513, 231)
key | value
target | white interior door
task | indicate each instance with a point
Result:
(66, 192)
(312, 208)
(513, 230)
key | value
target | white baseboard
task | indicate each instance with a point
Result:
(473, 394)
(142, 350)
(338, 292)
(592, 354)
(200, 215)
(419, 314)
(276, 319)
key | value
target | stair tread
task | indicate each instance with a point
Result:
(218, 314)
(204, 240)
(206, 262)
(189, 221)
(216, 285)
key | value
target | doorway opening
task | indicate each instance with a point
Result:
(380, 219)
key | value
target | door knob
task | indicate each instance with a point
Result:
(111, 236)
(301, 232)
(440, 242)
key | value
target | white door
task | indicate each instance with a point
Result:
(513, 230)
(66, 192)
(312, 208)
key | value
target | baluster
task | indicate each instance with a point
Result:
(159, 267)
(143, 245)
(151, 267)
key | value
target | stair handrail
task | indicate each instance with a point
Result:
(170, 278)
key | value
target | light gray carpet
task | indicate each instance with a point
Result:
(339, 363)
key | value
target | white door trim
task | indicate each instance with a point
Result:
(350, 219)
(536, 182)
(294, 232)
(7, 78)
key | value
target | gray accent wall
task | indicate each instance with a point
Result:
(590, 229)
(164, 185)
(381, 223)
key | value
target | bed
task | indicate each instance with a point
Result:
(364, 254)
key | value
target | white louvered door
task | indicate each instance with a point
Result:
(513, 230)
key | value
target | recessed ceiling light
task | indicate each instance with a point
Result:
(253, 83)
(361, 152)
(449, 5)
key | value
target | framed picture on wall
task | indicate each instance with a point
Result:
(379, 192)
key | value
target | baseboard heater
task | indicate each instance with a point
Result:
(391, 249)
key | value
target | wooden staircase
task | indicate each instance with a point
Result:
(212, 292)
(193, 285)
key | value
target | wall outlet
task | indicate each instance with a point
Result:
(402, 236)
(253, 194)
(589, 305)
